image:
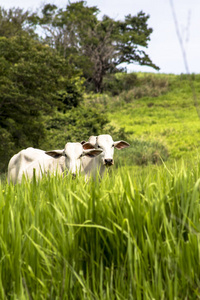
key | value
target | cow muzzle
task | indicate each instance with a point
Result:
(108, 162)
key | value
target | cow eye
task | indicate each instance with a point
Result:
(99, 146)
(113, 145)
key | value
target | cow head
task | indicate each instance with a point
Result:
(106, 143)
(73, 153)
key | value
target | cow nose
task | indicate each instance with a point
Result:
(108, 162)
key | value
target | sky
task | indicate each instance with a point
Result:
(165, 48)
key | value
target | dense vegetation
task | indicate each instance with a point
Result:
(47, 60)
(134, 235)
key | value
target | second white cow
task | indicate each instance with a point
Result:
(31, 160)
(92, 167)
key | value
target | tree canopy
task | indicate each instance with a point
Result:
(97, 47)
(32, 74)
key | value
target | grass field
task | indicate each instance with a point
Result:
(134, 235)
(171, 118)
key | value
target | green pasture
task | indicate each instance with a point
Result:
(171, 118)
(133, 235)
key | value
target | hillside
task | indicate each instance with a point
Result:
(156, 113)
(160, 109)
(132, 235)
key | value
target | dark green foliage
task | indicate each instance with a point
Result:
(138, 87)
(132, 33)
(97, 47)
(14, 22)
(31, 75)
(75, 125)
(119, 82)
(72, 95)
(7, 147)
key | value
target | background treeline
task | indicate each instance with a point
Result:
(49, 60)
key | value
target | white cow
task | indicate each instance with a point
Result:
(31, 159)
(105, 159)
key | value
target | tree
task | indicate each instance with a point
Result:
(31, 76)
(96, 46)
(15, 21)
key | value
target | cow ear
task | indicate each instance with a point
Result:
(55, 153)
(121, 144)
(93, 140)
(92, 152)
(87, 146)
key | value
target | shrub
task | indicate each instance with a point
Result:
(137, 87)
(116, 83)
(142, 152)
(72, 95)
(75, 125)
(6, 149)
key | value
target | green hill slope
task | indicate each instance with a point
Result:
(170, 119)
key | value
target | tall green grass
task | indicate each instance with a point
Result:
(133, 235)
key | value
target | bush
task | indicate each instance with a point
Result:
(116, 83)
(6, 149)
(141, 153)
(75, 125)
(72, 95)
(132, 87)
